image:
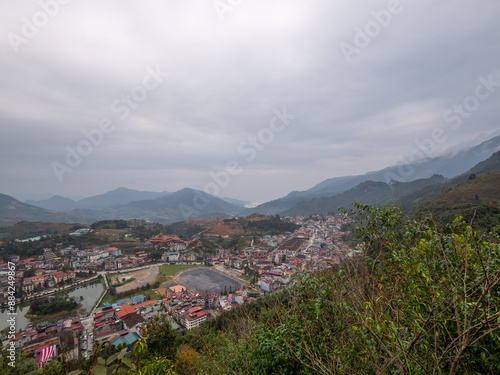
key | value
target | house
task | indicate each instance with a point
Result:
(193, 317)
(62, 276)
(36, 280)
(36, 345)
(170, 256)
(134, 322)
(267, 285)
(114, 251)
(212, 300)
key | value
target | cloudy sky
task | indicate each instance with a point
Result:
(160, 95)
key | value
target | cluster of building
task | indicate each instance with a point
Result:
(124, 322)
(31, 341)
(33, 275)
(276, 260)
(104, 258)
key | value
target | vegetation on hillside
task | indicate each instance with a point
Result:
(266, 225)
(110, 224)
(477, 200)
(368, 192)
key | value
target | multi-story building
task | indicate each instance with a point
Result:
(193, 317)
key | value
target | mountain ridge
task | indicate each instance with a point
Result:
(447, 166)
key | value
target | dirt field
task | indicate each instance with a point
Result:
(223, 229)
(142, 277)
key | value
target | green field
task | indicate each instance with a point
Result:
(171, 270)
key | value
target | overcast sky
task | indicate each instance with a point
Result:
(180, 86)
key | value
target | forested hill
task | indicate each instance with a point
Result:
(369, 192)
(477, 200)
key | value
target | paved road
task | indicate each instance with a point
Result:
(86, 339)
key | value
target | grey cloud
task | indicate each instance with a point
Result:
(225, 80)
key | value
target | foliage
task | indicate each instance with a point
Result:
(21, 365)
(29, 273)
(187, 360)
(52, 305)
(263, 225)
(161, 340)
(118, 363)
(110, 224)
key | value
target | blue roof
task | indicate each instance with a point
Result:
(128, 339)
(138, 299)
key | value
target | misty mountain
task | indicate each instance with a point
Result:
(447, 166)
(410, 196)
(97, 202)
(236, 202)
(490, 165)
(182, 205)
(13, 211)
(369, 192)
(327, 196)
(55, 203)
(122, 203)
(117, 197)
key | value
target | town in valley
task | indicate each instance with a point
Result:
(188, 278)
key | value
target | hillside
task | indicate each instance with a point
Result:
(118, 197)
(184, 204)
(477, 199)
(97, 202)
(369, 192)
(35, 228)
(448, 166)
(55, 203)
(12, 211)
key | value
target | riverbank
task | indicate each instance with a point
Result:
(51, 292)
(90, 292)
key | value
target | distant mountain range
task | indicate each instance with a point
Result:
(446, 166)
(13, 211)
(368, 192)
(427, 180)
(182, 205)
(97, 202)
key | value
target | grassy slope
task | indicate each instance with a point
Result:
(462, 201)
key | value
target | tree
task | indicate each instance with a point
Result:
(187, 360)
(29, 272)
(161, 340)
